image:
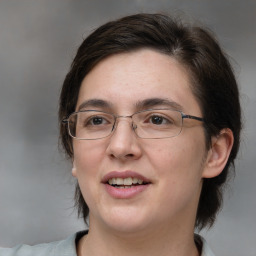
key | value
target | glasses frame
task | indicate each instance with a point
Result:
(134, 126)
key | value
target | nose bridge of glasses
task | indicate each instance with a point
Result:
(125, 118)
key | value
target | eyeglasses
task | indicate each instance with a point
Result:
(147, 124)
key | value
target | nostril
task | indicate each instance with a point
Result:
(122, 156)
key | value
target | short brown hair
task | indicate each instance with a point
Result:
(212, 79)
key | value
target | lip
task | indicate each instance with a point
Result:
(125, 193)
(123, 175)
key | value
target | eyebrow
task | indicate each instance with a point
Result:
(140, 105)
(154, 102)
(97, 103)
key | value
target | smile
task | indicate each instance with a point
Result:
(125, 183)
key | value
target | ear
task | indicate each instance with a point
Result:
(218, 154)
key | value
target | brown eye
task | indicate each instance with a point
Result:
(157, 120)
(96, 121)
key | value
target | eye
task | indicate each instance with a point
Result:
(158, 120)
(96, 120)
(93, 119)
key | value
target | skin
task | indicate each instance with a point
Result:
(174, 166)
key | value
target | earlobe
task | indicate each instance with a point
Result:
(73, 171)
(218, 154)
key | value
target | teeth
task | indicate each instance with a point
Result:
(134, 180)
(128, 181)
(119, 181)
(125, 182)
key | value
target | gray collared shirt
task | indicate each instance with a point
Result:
(64, 248)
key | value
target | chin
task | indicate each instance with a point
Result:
(125, 220)
(127, 228)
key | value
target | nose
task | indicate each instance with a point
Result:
(123, 143)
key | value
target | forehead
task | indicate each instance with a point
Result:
(128, 78)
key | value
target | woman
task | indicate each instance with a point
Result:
(150, 118)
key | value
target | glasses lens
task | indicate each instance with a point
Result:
(158, 123)
(90, 124)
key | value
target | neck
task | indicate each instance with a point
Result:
(175, 241)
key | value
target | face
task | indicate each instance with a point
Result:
(171, 169)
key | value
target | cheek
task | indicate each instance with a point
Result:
(178, 158)
(87, 157)
(177, 171)
(88, 160)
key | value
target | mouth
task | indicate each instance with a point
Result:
(125, 184)
(128, 182)
(125, 179)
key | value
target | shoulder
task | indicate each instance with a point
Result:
(64, 248)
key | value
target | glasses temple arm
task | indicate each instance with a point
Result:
(65, 121)
(193, 117)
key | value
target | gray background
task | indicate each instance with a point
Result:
(38, 40)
